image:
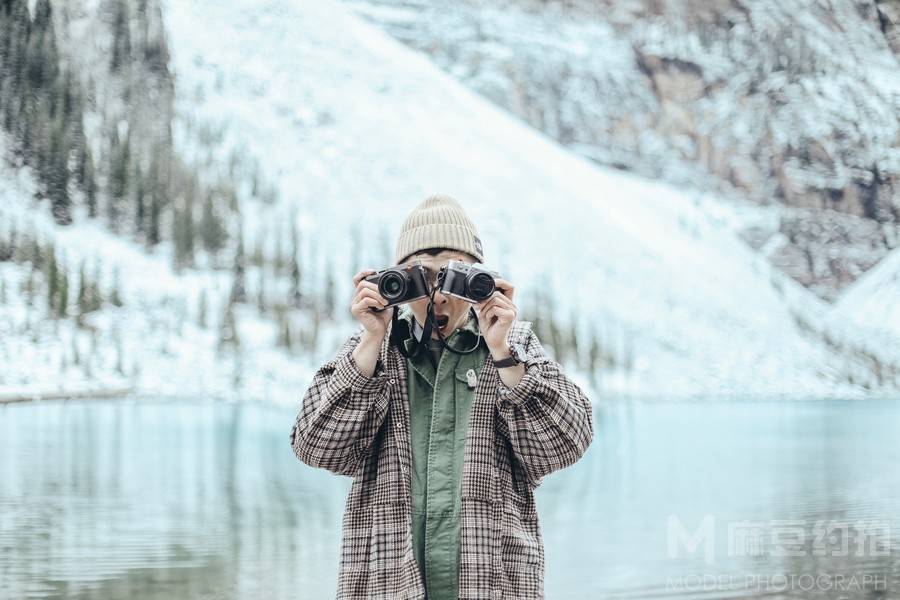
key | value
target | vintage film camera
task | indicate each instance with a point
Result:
(401, 283)
(470, 282)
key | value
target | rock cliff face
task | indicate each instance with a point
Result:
(778, 102)
(889, 22)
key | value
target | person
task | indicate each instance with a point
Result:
(445, 447)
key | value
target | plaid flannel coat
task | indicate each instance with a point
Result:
(358, 426)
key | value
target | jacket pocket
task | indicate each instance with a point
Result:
(393, 570)
(389, 530)
(522, 555)
(355, 541)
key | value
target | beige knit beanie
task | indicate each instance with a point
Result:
(438, 222)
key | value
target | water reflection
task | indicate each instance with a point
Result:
(117, 499)
(777, 474)
(105, 499)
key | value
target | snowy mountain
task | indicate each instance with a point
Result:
(773, 101)
(351, 129)
(874, 295)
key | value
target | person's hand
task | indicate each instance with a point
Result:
(367, 298)
(495, 316)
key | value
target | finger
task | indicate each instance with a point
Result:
(366, 285)
(489, 315)
(505, 287)
(367, 293)
(501, 312)
(497, 299)
(490, 301)
(362, 292)
(503, 300)
(367, 303)
(379, 302)
(359, 276)
(504, 315)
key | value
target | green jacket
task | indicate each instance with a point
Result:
(440, 401)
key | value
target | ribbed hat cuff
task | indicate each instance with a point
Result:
(438, 235)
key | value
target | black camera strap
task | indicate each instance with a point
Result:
(400, 332)
(432, 324)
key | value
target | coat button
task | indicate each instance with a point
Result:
(391, 381)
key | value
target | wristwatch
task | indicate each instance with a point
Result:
(516, 355)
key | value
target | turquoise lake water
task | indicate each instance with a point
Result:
(114, 499)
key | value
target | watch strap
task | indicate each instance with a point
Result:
(516, 356)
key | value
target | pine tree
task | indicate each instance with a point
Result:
(62, 303)
(183, 225)
(254, 180)
(202, 309)
(260, 291)
(238, 285)
(228, 332)
(118, 179)
(212, 229)
(95, 298)
(594, 357)
(573, 342)
(121, 46)
(6, 251)
(81, 300)
(42, 55)
(56, 175)
(140, 209)
(330, 299)
(278, 259)
(285, 337)
(76, 353)
(52, 279)
(90, 183)
(120, 352)
(28, 288)
(115, 296)
(37, 253)
(258, 257)
(296, 296)
(556, 337)
(156, 199)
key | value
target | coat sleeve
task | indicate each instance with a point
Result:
(341, 413)
(546, 417)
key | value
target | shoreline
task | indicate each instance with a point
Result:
(39, 395)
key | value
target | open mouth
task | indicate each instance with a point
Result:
(442, 321)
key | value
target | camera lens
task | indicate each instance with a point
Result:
(392, 285)
(481, 286)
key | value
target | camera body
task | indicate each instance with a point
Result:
(401, 283)
(471, 282)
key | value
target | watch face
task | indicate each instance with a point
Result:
(519, 353)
